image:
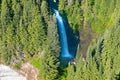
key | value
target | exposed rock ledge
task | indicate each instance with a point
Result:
(7, 73)
(29, 72)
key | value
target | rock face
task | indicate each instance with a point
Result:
(29, 72)
(7, 73)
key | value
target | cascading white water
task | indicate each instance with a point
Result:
(63, 38)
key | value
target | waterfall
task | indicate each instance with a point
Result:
(63, 37)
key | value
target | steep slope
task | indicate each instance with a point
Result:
(102, 61)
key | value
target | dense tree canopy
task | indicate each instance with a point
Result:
(28, 32)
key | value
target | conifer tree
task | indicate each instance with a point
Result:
(50, 63)
(53, 38)
(44, 10)
(36, 31)
(51, 57)
(71, 72)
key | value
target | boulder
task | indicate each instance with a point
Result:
(29, 71)
(7, 73)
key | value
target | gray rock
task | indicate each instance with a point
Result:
(7, 73)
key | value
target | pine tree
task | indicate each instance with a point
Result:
(36, 31)
(44, 10)
(51, 57)
(50, 63)
(71, 72)
(53, 38)
(5, 18)
(5, 14)
(17, 11)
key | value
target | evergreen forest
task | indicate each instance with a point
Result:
(29, 33)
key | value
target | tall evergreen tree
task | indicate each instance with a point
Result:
(53, 38)
(50, 64)
(36, 31)
(44, 10)
(51, 57)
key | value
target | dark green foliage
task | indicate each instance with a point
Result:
(51, 56)
(29, 33)
(22, 30)
(51, 64)
(53, 38)
(96, 14)
(71, 72)
(72, 12)
(26, 29)
(5, 14)
(102, 61)
(44, 10)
